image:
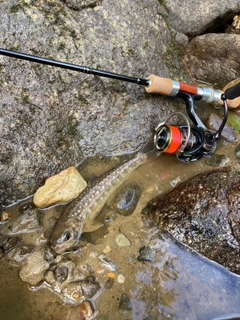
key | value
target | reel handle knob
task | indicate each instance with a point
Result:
(233, 92)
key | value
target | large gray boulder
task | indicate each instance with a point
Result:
(194, 17)
(214, 58)
(53, 118)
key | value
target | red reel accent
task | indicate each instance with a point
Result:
(175, 140)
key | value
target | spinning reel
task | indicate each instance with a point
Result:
(189, 142)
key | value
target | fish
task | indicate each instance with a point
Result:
(85, 207)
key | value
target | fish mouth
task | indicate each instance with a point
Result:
(57, 249)
(62, 248)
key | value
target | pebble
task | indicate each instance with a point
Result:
(34, 268)
(121, 279)
(19, 254)
(10, 243)
(125, 303)
(111, 275)
(60, 188)
(214, 122)
(217, 160)
(107, 249)
(122, 240)
(5, 216)
(86, 311)
(106, 263)
(146, 254)
(237, 151)
(100, 270)
(109, 283)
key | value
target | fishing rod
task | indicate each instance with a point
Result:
(188, 143)
(152, 84)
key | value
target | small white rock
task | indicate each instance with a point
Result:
(122, 240)
(120, 278)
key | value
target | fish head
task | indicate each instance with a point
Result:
(64, 237)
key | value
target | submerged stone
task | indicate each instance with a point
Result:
(19, 254)
(217, 160)
(237, 151)
(122, 240)
(125, 303)
(204, 214)
(126, 199)
(146, 254)
(34, 268)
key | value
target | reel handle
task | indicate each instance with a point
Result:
(168, 87)
(233, 92)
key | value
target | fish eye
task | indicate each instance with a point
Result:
(66, 236)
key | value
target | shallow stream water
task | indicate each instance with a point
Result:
(171, 282)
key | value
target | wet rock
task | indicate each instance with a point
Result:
(27, 222)
(125, 303)
(10, 243)
(90, 287)
(109, 283)
(50, 277)
(19, 254)
(61, 273)
(122, 240)
(146, 254)
(237, 151)
(87, 310)
(26, 207)
(214, 122)
(67, 271)
(34, 268)
(77, 291)
(4, 216)
(126, 199)
(60, 188)
(201, 213)
(217, 160)
(106, 263)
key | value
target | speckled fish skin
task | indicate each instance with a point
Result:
(82, 211)
(203, 213)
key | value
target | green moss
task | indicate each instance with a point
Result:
(25, 99)
(61, 46)
(14, 47)
(72, 126)
(21, 4)
(234, 120)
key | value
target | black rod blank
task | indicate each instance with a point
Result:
(74, 67)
